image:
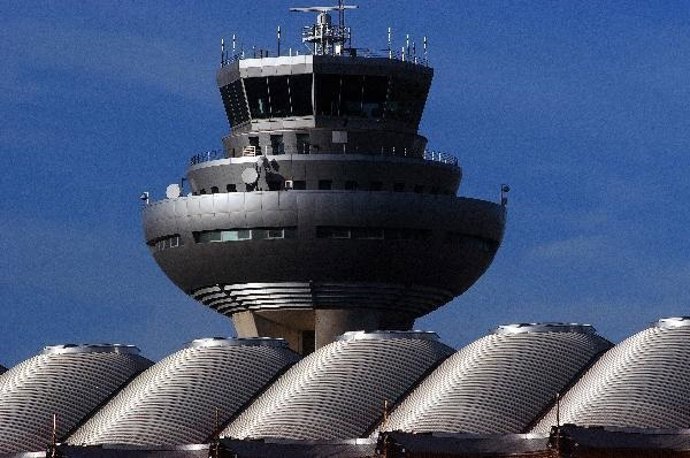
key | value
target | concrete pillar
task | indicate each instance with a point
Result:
(329, 324)
(249, 324)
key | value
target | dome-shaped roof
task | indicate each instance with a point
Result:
(339, 391)
(643, 382)
(176, 400)
(499, 383)
(67, 380)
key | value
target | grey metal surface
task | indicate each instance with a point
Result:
(67, 380)
(643, 382)
(409, 173)
(415, 276)
(338, 392)
(119, 451)
(499, 383)
(362, 448)
(464, 445)
(175, 401)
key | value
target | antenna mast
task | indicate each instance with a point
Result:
(325, 38)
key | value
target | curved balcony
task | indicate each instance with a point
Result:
(428, 155)
(404, 251)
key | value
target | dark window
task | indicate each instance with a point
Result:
(419, 189)
(398, 187)
(279, 96)
(234, 102)
(299, 185)
(351, 185)
(300, 95)
(203, 191)
(325, 184)
(302, 143)
(406, 234)
(406, 100)
(214, 189)
(332, 232)
(231, 188)
(367, 233)
(277, 144)
(328, 95)
(171, 241)
(254, 141)
(374, 96)
(351, 95)
(275, 233)
(257, 93)
(375, 186)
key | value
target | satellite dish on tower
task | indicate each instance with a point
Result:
(250, 176)
(173, 191)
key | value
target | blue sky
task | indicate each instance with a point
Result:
(582, 107)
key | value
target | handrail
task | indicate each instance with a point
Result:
(228, 57)
(433, 156)
(206, 156)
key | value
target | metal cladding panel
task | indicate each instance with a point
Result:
(643, 382)
(449, 243)
(175, 401)
(338, 392)
(69, 381)
(499, 383)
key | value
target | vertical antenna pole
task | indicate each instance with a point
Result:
(390, 44)
(278, 41)
(407, 44)
(222, 52)
(414, 52)
(234, 43)
(426, 55)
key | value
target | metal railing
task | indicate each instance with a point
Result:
(434, 156)
(229, 57)
(438, 156)
(206, 156)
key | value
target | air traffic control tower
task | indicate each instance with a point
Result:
(325, 212)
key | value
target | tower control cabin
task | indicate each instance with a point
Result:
(325, 212)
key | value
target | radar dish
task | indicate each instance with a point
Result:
(249, 176)
(173, 191)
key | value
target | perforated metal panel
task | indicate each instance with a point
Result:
(499, 383)
(175, 401)
(643, 382)
(338, 392)
(68, 380)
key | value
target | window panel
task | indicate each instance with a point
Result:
(374, 96)
(328, 95)
(257, 93)
(351, 96)
(279, 96)
(300, 95)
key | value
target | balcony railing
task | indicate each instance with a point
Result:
(206, 156)
(434, 156)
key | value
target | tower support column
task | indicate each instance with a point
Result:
(330, 323)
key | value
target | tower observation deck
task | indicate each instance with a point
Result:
(325, 212)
